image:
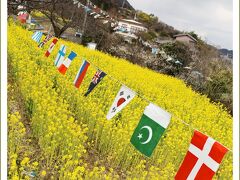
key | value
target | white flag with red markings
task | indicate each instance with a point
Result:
(51, 47)
(124, 96)
(202, 159)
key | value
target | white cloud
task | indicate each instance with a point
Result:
(211, 19)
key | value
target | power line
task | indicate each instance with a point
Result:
(84, 23)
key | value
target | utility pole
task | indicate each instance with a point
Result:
(123, 3)
(84, 23)
(135, 16)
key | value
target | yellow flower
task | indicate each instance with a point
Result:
(25, 161)
(67, 124)
(35, 163)
(43, 173)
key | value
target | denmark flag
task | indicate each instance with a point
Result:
(202, 159)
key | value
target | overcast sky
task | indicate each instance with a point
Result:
(211, 19)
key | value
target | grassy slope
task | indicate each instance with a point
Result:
(167, 92)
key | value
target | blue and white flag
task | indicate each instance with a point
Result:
(60, 56)
(87, 9)
(37, 36)
(99, 75)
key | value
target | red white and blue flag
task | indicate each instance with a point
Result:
(81, 73)
(66, 63)
(51, 47)
(99, 75)
(203, 158)
(60, 56)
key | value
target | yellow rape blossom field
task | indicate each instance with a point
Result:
(76, 140)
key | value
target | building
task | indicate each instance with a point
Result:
(185, 38)
(130, 26)
(91, 45)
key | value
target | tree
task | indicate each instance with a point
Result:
(62, 14)
(193, 34)
(219, 87)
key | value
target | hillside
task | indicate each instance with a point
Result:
(201, 66)
(72, 136)
(106, 4)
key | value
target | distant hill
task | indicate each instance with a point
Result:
(108, 4)
(226, 52)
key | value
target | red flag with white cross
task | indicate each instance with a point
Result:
(202, 159)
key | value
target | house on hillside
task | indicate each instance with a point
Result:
(185, 38)
(129, 28)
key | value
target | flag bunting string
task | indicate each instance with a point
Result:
(147, 100)
(66, 63)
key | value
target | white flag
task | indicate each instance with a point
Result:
(124, 96)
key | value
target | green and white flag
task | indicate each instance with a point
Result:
(150, 128)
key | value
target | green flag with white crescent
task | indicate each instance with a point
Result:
(150, 128)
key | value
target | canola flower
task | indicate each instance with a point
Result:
(18, 159)
(65, 121)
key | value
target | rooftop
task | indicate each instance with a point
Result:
(179, 35)
(132, 21)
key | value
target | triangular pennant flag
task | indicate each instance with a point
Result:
(96, 16)
(51, 47)
(60, 56)
(99, 75)
(37, 36)
(203, 158)
(75, 2)
(81, 74)
(124, 96)
(47, 38)
(92, 13)
(66, 63)
(80, 4)
(87, 9)
(150, 128)
(90, 3)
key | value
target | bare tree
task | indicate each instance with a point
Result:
(62, 14)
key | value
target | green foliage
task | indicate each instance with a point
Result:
(29, 107)
(178, 51)
(193, 34)
(146, 18)
(86, 39)
(147, 36)
(38, 14)
(219, 87)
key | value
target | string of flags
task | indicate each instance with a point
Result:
(95, 11)
(204, 155)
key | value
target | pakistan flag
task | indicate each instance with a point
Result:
(150, 128)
